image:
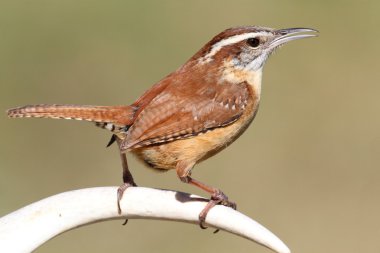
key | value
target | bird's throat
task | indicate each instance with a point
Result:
(231, 74)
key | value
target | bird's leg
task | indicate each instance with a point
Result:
(217, 196)
(127, 176)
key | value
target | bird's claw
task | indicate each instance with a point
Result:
(217, 198)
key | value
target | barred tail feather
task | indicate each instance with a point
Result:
(116, 115)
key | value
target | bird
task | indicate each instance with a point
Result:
(191, 114)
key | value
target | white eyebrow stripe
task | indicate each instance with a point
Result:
(231, 40)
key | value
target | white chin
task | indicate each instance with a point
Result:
(257, 63)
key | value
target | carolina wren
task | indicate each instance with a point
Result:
(191, 114)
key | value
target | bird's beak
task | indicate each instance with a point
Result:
(283, 36)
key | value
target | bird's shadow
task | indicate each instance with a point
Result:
(184, 197)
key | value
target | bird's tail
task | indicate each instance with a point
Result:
(109, 117)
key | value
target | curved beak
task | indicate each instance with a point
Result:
(283, 36)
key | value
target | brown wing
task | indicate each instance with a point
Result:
(178, 113)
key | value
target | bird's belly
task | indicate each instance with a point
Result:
(197, 148)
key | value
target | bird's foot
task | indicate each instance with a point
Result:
(217, 198)
(120, 192)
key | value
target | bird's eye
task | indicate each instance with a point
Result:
(253, 42)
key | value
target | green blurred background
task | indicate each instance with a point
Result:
(307, 168)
